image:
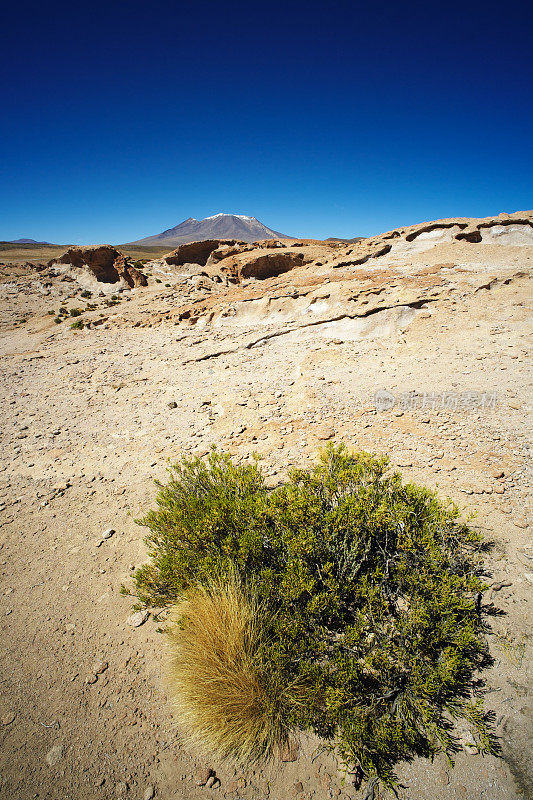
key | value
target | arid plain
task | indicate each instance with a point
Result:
(415, 343)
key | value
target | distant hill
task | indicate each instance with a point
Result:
(219, 226)
(26, 241)
(345, 241)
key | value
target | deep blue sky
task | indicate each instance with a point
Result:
(321, 119)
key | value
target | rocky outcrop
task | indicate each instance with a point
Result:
(227, 250)
(129, 273)
(469, 234)
(198, 252)
(104, 263)
(259, 265)
(100, 260)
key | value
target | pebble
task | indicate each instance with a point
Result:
(8, 718)
(138, 618)
(172, 404)
(99, 667)
(149, 792)
(203, 776)
(108, 533)
(54, 755)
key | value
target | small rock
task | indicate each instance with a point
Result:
(90, 679)
(8, 718)
(498, 474)
(54, 755)
(297, 788)
(99, 666)
(149, 792)
(138, 618)
(500, 585)
(172, 404)
(108, 533)
(204, 776)
(325, 433)
(212, 782)
(528, 576)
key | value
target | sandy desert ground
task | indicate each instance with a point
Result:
(421, 353)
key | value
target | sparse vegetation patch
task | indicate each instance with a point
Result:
(345, 599)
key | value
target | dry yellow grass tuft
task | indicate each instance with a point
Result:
(214, 655)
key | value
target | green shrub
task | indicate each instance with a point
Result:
(77, 326)
(76, 312)
(86, 293)
(367, 592)
(57, 320)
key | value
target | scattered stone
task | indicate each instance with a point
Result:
(99, 667)
(203, 776)
(54, 755)
(212, 782)
(498, 474)
(172, 404)
(138, 618)
(325, 433)
(108, 533)
(297, 788)
(149, 792)
(8, 718)
(90, 679)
